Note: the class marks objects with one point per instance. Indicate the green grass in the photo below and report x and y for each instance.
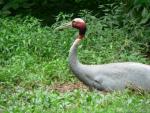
(44, 100)
(33, 57)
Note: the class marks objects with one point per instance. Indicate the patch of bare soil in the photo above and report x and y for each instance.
(67, 87)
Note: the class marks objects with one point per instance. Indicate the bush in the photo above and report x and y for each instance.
(31, 52)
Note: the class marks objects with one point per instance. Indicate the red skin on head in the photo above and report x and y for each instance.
(81, 26)
(78, 25)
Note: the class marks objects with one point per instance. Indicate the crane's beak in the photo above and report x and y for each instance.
(63, 26)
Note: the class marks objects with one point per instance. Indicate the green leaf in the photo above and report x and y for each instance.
(144, 12)
(5, 12)
(145, 19)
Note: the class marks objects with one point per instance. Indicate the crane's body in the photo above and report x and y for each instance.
(113, 76)
(109, 77)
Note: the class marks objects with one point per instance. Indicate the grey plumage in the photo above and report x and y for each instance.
(109, 77)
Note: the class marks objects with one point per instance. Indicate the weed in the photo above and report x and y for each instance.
(33, 57)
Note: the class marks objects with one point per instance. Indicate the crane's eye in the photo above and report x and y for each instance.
(73, 23)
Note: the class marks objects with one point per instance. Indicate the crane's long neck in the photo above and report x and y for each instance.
(74, 63)
(77, 68)
(73, 59)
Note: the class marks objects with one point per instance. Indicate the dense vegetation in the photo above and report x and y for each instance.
(33, 56)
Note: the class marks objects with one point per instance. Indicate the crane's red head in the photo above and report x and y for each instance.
(78, 23)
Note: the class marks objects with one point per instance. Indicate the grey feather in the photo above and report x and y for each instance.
(113, 76)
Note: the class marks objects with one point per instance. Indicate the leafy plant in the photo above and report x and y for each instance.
(33, 57)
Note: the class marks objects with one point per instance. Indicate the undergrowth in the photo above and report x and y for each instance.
(33, 57)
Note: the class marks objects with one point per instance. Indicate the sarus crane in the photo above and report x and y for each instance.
(106, 77)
